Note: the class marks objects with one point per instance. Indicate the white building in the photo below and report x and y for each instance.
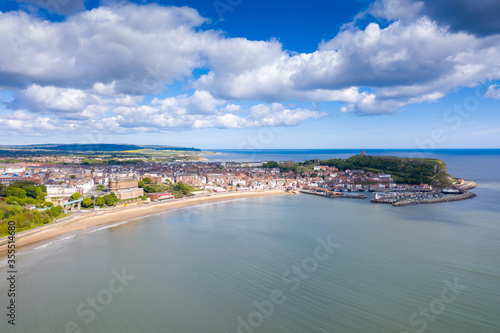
(60, 190)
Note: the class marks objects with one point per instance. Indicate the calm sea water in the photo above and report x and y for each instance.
(300, 155)
(258, 265)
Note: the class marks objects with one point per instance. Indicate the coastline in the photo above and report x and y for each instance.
(97, 218)
(90, 219)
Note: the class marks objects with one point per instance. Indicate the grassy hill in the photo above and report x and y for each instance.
(403, 170)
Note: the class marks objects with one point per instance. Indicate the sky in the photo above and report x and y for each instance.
(241, 74)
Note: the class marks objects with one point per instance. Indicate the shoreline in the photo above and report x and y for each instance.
(122, 214)
(88, 219)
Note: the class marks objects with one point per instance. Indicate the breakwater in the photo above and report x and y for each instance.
(383, 201)
(464, 196)
(333, 195)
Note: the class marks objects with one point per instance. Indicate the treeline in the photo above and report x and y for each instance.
(92, 201)
(178, 190)
(25, 219)
(15, 197)
(283, 168)
(402, 170)
(24, 193)
(88, 161)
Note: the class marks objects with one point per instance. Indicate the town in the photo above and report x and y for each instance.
(148, 182)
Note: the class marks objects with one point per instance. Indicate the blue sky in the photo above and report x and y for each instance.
(251, 74)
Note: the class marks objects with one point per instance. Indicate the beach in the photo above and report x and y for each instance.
(97, 218)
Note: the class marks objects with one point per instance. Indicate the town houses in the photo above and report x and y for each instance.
(64, 180)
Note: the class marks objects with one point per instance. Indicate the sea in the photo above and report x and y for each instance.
(289, 263)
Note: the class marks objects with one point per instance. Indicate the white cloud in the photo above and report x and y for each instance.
(404, 63)
(94, 69)
(58, 99)
(182, 112)
(104, 89)
(493, 91)
(394, 9)
(141, 48)
(47, 108)
(69, 103)
(20, 122)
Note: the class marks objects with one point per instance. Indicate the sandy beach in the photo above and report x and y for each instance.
(96, 218)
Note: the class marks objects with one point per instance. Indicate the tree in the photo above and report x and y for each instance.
(56, 210)
(100, 187)
(141, 184)
(32, 191)
(184, 188)
(109, 200)
(30, 201)
(12, 191)
(87, 202)
(270, 165)
(20, 193)
(75, 196)
(24, 183)
(100, 201)
(72, 177)
(147, 180)
(41, 196)
(12, 200)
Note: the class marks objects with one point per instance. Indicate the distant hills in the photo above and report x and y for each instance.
(90, 148)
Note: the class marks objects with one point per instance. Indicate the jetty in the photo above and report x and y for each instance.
(332, 194)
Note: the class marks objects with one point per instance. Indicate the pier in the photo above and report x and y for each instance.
(333, 195)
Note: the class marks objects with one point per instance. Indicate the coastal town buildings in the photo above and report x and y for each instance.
(125, 188)
(63, 180)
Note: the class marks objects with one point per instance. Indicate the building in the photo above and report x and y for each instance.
(125, 188)
(10, 179)
(160, 196)
(129, 193)
(61, 191)
(116, 184)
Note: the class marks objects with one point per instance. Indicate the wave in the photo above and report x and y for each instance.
(54, 241)
(108, 226)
